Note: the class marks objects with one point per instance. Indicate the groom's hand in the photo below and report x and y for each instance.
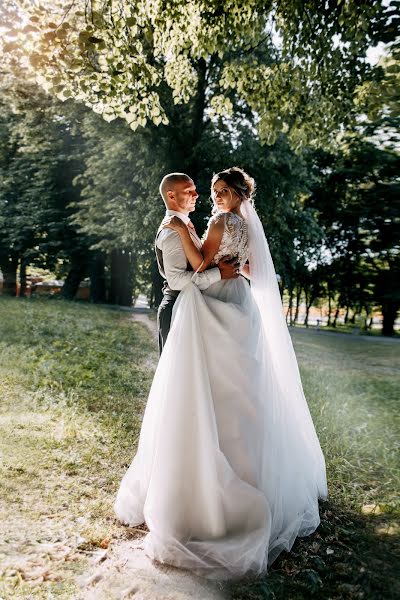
(229, 267)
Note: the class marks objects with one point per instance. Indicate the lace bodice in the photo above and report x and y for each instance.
(235, 241)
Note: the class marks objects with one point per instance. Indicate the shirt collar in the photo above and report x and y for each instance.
(182, 216)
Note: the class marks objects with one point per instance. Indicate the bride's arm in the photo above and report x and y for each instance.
(210, 246)
(194, 256)
(212, 242)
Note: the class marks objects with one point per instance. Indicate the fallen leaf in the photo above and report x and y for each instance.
(371, 509)
(315, 547)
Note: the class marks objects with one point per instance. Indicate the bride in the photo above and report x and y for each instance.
(229, 469)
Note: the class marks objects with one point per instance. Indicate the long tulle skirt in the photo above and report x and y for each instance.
(227, 472)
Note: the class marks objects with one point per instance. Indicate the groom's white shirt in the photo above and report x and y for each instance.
(175, 261)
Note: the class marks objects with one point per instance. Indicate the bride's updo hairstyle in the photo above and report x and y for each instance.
(238, 180)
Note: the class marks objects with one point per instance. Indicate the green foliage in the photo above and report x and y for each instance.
(72, 182)
(49, 153)
(297, 65)
(357, 198)
(37, 165)
(282, 179)
(119, 204)
(287, 73)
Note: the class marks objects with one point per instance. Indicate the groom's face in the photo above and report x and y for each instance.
(185, 196)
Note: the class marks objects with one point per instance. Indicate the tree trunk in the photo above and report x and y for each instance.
(306, 317)
(22, 278)
(126, 280)
(346, 317)
(198, 118)
(329, 309)
(298, 300)
(389, 311)
(308, 306)
(112, 297)
(121, 280)
(76, 273)
(290, 309)
(366, 319)
(97, 278)
(9, 269)
(132, 279)
(335, 317)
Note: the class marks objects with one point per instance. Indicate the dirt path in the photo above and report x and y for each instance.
(144, 318)
(124, 570)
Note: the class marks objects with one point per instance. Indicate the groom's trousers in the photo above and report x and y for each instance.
(164, 315)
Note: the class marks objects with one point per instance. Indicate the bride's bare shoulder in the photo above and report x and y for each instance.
(217, 218)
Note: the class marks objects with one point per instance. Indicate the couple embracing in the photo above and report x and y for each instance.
(228, 469)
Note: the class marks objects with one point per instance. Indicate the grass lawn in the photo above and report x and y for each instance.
(348, 328)
(73, 384)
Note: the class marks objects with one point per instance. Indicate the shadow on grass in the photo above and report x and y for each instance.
(349, 557)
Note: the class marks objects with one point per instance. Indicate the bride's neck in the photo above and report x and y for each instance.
(236, 211)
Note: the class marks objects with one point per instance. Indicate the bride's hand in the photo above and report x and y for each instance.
(174, 223)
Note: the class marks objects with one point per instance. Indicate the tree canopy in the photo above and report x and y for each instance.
(197, 87)
(299, 66)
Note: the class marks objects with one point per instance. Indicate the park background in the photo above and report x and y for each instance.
(98, 100)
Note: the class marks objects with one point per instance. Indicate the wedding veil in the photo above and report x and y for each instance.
(288, 424)
(265, 289)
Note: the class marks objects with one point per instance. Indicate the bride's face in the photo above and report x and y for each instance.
(225, 198)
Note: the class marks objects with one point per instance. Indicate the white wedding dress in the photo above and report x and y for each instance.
(228, 469)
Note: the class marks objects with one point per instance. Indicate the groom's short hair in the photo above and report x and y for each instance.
(169, 181)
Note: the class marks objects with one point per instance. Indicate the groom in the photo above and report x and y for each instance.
(179, 194)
